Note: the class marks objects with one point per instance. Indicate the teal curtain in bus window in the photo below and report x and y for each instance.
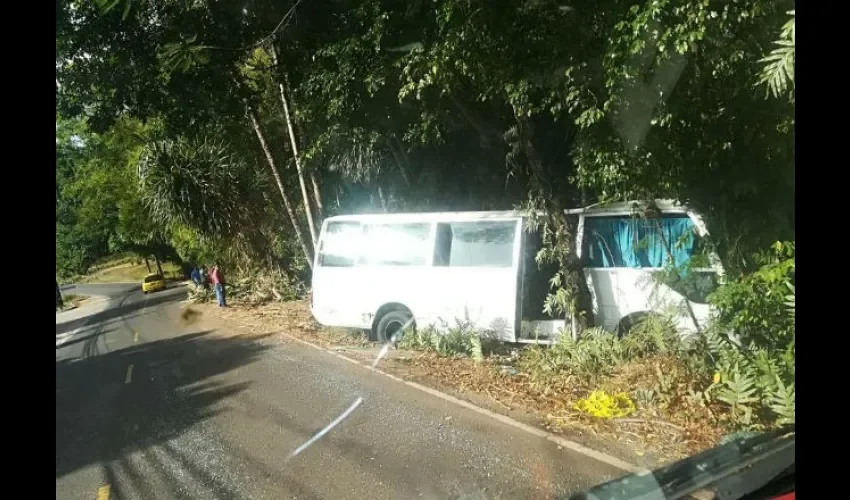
(632, 242)
(677, 232)
(609, 242)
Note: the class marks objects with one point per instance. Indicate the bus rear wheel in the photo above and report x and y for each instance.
(391, 324)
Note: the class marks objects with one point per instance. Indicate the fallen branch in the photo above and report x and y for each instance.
(645, 421)
(497, 400)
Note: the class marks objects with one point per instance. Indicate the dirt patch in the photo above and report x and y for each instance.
(71, 301)
(646, 439)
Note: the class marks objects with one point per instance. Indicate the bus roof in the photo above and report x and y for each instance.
(627, 207)
(428, 216)
(595, 209)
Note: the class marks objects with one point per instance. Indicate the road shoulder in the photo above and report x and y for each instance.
(93, 304)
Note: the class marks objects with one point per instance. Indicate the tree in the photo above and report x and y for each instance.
(185, 89)
(79, 240)
(297, 158)
(679, 115)
(270, 158)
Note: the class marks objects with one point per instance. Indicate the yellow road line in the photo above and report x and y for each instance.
(129, 375)
(135, 337)
(103, 493)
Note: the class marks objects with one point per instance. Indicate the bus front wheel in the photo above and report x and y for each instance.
(392, 323)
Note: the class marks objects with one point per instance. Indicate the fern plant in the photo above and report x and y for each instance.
(791, 300)
(782, 402)
(738, 390)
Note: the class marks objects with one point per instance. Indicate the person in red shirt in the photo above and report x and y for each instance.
(217, 279)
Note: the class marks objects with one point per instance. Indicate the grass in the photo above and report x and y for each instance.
(130, 272)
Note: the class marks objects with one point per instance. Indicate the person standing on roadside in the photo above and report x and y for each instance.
(196, 275)
(205, 277)
(217, 279)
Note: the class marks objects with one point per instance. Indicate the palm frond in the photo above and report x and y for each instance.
(778, 71)
(194, 182)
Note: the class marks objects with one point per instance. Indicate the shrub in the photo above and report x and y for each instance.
(755, 366)
(255, 287)
(199, 294)
(652, 334)
(594, 354)
(754, 306)
(750, 386)
(462, 340)
(258, 286)
(756, 383)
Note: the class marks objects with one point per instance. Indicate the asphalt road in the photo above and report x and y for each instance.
(148, 406)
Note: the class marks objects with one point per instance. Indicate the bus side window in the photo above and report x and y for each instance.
(443, 246)
(475, 244)
(341, 244)
(398, 244)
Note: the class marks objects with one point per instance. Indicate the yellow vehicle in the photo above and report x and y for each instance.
(153, 282)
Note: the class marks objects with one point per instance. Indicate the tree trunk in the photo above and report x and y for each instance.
(148, 264)
(317, 195)
(485, 132)
(286, 202)
(304, 195)
(574, 281)
(399, 156)
(158, 265)
(382, 199)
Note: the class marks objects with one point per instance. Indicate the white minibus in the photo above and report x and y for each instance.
(379, 272)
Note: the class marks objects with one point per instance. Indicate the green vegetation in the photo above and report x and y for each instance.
(130, 272)
(460, 341)
(254, 287)
(754, 306)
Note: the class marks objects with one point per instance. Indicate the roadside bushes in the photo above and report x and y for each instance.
(752, 345)
(461, 340)
(755, 383)
(754, 305)
(593, 355)
(709, 379)
(255, 287)
(597, 352)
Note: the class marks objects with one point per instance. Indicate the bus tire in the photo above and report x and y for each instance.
(630, 321)
(390, 323)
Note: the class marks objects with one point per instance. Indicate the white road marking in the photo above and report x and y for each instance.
(327, 429)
